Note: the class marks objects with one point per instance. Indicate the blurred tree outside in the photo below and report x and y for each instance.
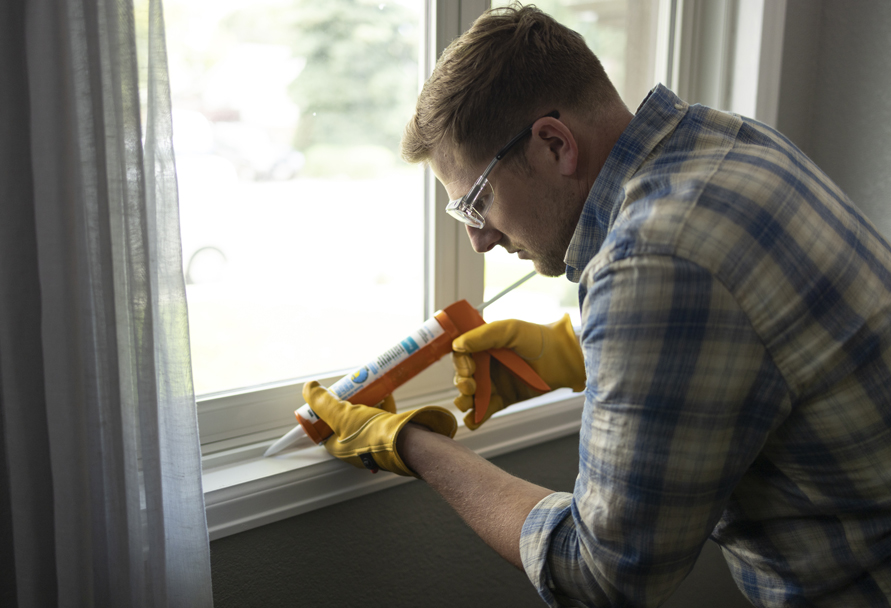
(603, 25)
(354, 86)
(360, 78)
(287, 116)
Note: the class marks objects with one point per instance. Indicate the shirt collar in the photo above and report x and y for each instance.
(655, 119)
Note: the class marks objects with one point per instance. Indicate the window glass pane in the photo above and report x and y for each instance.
(302, 230)
(622, 33)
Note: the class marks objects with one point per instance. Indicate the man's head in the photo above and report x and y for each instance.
(514, 66)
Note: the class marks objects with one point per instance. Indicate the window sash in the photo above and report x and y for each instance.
(453, 271)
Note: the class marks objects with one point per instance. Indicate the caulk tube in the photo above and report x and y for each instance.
(369, 384)
(378, 378)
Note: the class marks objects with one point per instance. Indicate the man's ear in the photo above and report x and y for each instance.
(553, 146)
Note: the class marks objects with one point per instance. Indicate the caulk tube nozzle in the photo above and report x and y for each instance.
(291, 437)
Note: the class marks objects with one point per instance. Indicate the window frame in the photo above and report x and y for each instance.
(726, 54)
(239, 417)
(243, 490)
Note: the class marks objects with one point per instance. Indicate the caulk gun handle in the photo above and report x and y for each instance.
(511, 361)
(465, 317)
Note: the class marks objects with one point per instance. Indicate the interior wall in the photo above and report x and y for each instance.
(406, 547)
(834, 99)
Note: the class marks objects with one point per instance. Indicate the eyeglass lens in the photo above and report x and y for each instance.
(472, 208)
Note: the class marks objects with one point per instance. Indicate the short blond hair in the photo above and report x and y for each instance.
(514, 65)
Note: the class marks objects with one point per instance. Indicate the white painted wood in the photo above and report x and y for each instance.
(758, 59)
(771, 62)
(243, 490)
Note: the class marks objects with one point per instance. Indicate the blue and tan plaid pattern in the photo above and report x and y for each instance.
(737, 333)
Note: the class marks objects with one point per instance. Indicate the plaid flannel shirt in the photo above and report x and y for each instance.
(736, 323)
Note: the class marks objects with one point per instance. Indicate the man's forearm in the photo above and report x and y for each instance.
(492, 502)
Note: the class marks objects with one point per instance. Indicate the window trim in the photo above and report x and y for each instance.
(243, 490)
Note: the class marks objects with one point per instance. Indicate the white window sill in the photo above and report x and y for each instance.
(243, 490)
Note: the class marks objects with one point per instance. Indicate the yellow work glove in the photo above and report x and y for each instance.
(553, 351)
(365, 436)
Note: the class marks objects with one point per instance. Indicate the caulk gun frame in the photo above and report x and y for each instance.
(506, 291)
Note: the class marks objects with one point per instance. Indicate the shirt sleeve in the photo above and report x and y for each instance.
(681, 396)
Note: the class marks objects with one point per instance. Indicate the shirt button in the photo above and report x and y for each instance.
(678, 106)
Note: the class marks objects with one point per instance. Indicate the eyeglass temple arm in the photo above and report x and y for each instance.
(511, 143)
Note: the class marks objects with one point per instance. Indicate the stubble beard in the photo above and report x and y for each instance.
(548, 246)
(549, 267)
(551, 263)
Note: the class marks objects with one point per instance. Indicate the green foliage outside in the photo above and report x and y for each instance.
(358, 86)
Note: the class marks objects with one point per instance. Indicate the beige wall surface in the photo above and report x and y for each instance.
(405, 547)
(835, 97)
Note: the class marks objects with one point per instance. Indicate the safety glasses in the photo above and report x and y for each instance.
(472, 208)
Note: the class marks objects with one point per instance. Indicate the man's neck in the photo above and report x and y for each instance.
(596, 141)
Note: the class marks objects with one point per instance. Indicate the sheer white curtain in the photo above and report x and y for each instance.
(100, 477)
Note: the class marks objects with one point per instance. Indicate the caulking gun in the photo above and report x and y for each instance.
(372, 382)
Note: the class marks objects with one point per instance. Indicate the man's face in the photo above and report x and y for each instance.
(533, 215)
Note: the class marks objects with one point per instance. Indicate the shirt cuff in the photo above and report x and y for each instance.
(535, 541)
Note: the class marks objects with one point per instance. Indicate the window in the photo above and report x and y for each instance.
(304, 235)
(283, 189)
(287, 120)
(240, 123)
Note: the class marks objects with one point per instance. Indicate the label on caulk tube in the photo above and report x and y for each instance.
(351, 384)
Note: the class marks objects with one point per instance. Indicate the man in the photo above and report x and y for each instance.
(735, 344)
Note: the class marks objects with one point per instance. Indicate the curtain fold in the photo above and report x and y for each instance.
(99, 426)
(27, 492)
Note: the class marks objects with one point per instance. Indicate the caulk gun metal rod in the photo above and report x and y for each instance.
(506, 291)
